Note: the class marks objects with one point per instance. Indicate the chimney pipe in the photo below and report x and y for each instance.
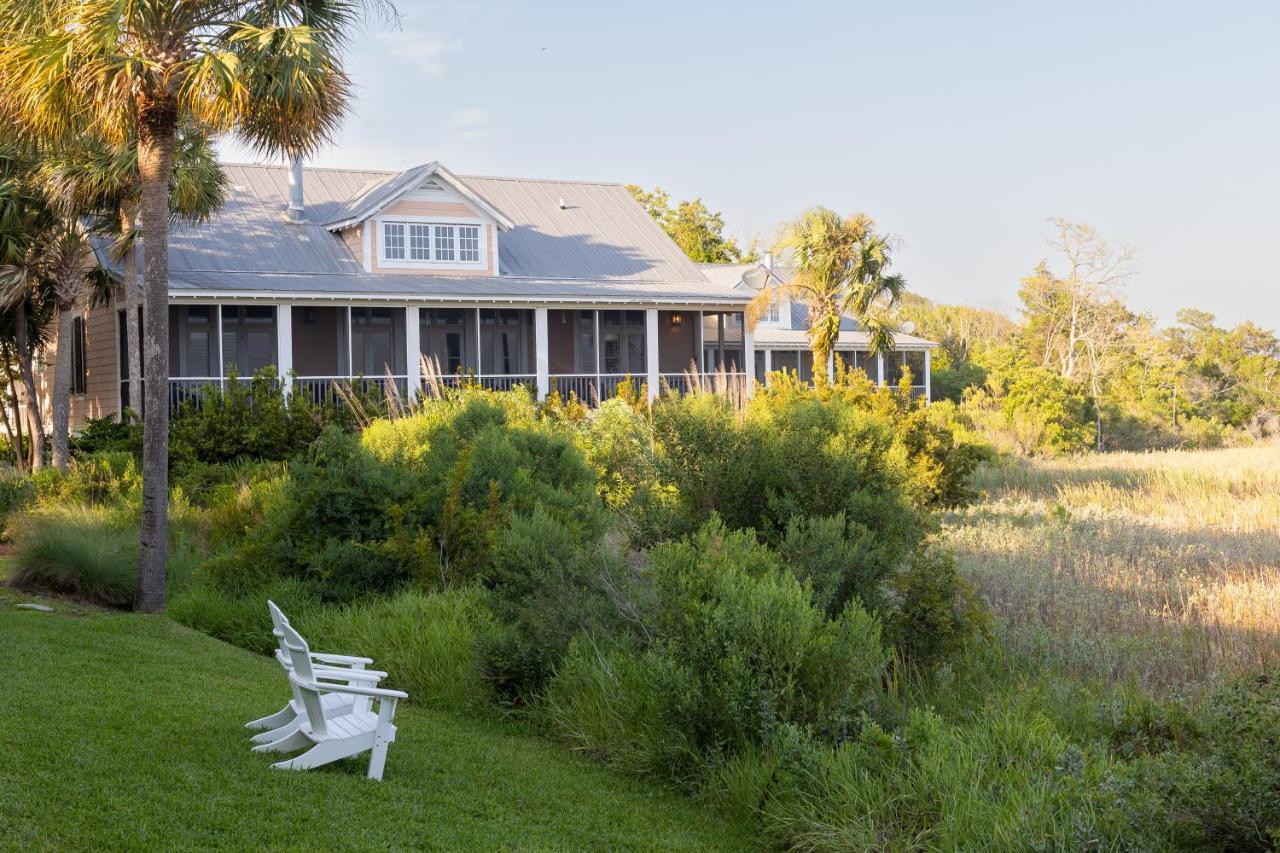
(768, 261)
(296, 211)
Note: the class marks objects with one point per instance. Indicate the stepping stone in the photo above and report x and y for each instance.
(31, 605)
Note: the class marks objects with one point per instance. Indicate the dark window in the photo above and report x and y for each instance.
(79, 377)
(506, 335)
(248, 339)
(376, 335)
(443, 336)
(622, 342)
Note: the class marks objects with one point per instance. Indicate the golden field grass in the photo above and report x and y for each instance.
(1157, 569)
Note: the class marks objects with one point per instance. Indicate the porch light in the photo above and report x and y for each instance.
(677, 319)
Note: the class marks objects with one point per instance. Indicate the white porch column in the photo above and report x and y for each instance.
(479, 354)
(831, 366)
(749, 355)
(412, 352)
(928, 386)
(351, 356)
(542, 352)
(880, 368)
(698, 355)
(768, 367)
(284, 346)
(651, 350)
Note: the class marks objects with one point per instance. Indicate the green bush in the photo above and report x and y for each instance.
(248, 420)
(548, 585)
(1219, 788)
(733, 653)
(418, 499)
(108, 435)
(930, 611)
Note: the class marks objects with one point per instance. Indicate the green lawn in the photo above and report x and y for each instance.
(123, 731)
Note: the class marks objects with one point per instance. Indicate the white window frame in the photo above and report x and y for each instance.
(407, 262)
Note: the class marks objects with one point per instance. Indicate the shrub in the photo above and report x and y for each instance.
(100, 478)
(252, 420)
(549, 585)
(1221, 789)
(418, 499)
(745, 634)
(930, 611)
(107, 434)
(16, 494)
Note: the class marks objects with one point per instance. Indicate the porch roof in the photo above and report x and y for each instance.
(770, 338)
(190, 284)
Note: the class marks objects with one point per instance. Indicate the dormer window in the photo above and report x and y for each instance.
(407, 243)
(774, 312)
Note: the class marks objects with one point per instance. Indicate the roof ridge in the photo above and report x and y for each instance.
(542, 180)
(285, 167)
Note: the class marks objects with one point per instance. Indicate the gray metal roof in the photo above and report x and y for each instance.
(601, 234)
(377, 194)
(426, 288)
(799, 339)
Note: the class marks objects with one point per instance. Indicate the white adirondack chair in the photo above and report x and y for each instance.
(332, 667)
(328, 737)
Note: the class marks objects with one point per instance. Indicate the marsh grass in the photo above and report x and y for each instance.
(1160, 570)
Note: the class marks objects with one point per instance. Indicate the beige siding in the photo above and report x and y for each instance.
(102, 390)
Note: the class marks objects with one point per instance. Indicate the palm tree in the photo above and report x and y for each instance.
(103, 178)
(26, 312)
(269, 71)
(841, 270)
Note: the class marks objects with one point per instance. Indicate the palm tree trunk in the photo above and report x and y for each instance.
(29, 384)
(155, 163)
(62, 385)
(133, 341)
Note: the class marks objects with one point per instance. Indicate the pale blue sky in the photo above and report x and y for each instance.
(961, 127)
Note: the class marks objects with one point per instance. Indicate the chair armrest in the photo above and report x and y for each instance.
(377, 692)
(338, 674)
(345, 660)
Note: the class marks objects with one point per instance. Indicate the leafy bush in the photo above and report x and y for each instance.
(418, 499)
(108, 435)
(248, 420)
(733, 654)
(1218, 790)
(930, 611)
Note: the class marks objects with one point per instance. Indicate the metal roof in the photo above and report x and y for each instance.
(772, 338)
(601, 234)
(377, 194)
(427, 288)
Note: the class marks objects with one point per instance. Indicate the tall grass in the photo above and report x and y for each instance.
(90, 551)
(1161, 570)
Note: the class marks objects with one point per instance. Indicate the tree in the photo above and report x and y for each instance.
(841, 269)
(25, 309)
(103, 179)
(269, 71)
(1075, 321)
(696, 230)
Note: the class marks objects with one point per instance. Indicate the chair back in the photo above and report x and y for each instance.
(278, 620)
(302, 676)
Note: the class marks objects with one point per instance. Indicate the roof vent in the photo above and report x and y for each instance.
(297, 211)
(564, 205)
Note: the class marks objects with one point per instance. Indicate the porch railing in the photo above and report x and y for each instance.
(685, 383)
(591, 388)
(320, 390)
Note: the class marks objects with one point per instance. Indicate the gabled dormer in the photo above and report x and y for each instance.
(422, 220)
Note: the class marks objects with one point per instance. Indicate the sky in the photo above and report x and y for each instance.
(961, 128)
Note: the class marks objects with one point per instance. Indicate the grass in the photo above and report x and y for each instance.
(1160, 570)
(125, 731)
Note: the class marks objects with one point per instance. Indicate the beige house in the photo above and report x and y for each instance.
(344, 274)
